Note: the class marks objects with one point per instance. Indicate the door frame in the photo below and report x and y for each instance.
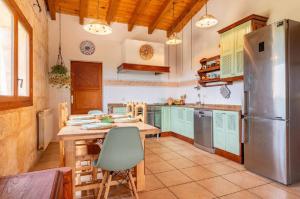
(100, 81)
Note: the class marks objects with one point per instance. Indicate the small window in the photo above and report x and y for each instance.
(15, 57)
(23, 61)
(6, 51)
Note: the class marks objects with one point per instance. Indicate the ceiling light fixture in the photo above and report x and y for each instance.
(173, 39)
(98, 27)
(207, 20)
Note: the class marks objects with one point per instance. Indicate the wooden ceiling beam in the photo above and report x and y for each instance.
(164, 9)
(83, 6)
(52, 5)
(141, 5)
(112, 9)
(186, 16)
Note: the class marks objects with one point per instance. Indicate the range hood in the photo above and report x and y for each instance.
(127, 67)
(143, 56)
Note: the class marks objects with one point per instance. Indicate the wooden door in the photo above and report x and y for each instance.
(86, 86)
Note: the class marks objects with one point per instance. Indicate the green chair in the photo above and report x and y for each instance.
(121, 151)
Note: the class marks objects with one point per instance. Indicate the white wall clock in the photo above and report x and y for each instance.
(87, 47)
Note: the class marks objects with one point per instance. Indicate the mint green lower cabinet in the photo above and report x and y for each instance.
(182, 121)
(166, 119)
(219, 136)
(189, 123)
(226, 131)
(119, 110)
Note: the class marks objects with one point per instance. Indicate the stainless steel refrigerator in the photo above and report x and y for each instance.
(272, 101)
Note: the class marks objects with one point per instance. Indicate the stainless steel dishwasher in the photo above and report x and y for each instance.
(203, 130)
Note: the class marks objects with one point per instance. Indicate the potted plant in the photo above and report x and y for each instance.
(59, 76)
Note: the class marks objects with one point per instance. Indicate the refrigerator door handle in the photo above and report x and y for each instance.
(246, 102)
(246, 136)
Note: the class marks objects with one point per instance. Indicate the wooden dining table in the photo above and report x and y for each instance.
(69, 134)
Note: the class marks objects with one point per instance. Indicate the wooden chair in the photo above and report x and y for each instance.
(130, 108)
(63, 114)
(80, 145)
(140, 112)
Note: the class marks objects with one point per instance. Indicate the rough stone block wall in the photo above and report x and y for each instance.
(18, 127)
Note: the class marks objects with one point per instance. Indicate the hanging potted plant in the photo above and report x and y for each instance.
(59, 76)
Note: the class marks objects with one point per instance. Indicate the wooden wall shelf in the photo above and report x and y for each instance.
(126, 67)
(210, 69)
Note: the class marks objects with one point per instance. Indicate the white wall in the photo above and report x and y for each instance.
(109, 52)
(205, 42)
(183, 59)
(131, 52)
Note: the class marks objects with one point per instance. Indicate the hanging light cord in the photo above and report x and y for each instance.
(192, 43)
(60, 60)
(98, 9)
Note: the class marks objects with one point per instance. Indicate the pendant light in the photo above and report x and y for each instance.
(98, 27)
(173, 39)
(207, 20)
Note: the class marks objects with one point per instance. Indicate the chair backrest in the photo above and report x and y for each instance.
(130, 109)
(122, 149)
(63, 114)
(140, 112)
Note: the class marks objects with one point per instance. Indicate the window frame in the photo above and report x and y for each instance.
(16, 101)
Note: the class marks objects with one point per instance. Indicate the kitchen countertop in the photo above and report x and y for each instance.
(223, 107)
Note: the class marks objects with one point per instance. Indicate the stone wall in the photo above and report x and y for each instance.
(18, 131)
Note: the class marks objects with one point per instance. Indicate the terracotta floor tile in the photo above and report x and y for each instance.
(171, 178)
(153, 145)
(241, 195)
(219, 186)
(186, 152)
(198, 173)
(147, 172)
(170, 144)
(269, 191)
(235, 165)
(191, 191)
(151, 158)
(157, 194)
(148, 152)
(220, 168)
(295, 188)
(244, 179)
(181, 163)
(169, 156)
(201, 159)
(216, 157)
(158, 167)
(153, 183)
(159, 150)
(259, 177)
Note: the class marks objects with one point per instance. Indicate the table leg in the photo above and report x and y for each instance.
(70, 159)
(61, 153)
(140, 170)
